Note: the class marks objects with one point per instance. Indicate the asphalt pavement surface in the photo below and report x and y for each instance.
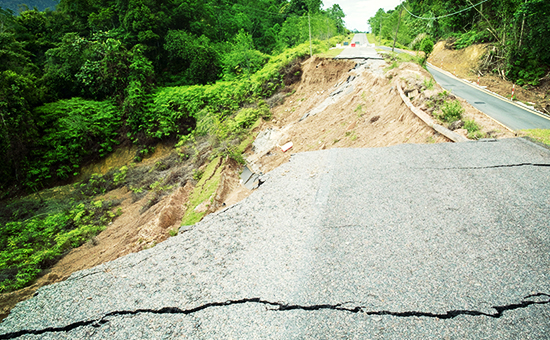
(442, 241)
(512, 116)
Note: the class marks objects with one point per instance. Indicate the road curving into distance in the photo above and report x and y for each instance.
(511, 115)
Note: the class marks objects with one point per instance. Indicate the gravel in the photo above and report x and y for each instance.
(410, 241)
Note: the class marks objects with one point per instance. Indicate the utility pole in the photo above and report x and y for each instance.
(398, 22)
(309, 23)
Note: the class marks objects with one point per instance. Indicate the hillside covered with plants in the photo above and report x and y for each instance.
(79, 81)
(518, 30)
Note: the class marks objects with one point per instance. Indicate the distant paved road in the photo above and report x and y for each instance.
(361, 51)
(511, 115)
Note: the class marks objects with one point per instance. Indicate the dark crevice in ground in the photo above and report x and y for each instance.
(279, 306)
(494, 166)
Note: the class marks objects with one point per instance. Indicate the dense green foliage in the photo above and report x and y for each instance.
(73, 130)
(76, 81)
(518, 29)
(28, 246)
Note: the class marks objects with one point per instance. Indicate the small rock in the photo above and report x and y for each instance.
(351, 126)
(463, 132)
(413, 93)
(374, 119)
(456, 125)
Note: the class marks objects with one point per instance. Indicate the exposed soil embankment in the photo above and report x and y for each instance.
(341, 104)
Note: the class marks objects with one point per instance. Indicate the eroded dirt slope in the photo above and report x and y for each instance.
(341, 104)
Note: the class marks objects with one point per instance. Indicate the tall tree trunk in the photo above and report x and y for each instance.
(397, 31)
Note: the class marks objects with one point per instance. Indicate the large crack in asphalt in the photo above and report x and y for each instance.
(493, 166)
(279, 306)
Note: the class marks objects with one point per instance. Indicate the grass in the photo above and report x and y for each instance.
(371, 38)
(474, 130)
(429, 83)
(389, 43)
(359, 110)
(204, 190)
(397, 58)
(541, 135)
(330, 53)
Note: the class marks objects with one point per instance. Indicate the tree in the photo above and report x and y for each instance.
(192, 58)
(427, 46)
(243, 58)
(337, 14)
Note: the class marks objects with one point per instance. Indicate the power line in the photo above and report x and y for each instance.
(443, 16)
(241, 9)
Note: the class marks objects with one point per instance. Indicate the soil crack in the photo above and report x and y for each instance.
(280, 306)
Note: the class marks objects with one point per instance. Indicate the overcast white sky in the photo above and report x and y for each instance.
(359, 11)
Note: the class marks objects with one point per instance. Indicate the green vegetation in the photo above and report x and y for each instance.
(474, 131)
(77, 81)
(428, 83)
(517, 29)
(331, 53)
(397, 58)
(451, 111)
(541, 135)
(203, 192)
(426, 46)
(371, 38)
(32, 244)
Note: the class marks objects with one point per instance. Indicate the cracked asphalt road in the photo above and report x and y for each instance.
(411, 241)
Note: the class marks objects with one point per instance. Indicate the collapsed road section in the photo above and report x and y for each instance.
(409, 241)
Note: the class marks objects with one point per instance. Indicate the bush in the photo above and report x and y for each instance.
(243, 59)
(427, 46)
(451, 111)
(73, 131)
(27, 247)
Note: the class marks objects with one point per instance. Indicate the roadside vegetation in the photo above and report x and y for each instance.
(541, 135)
(79, 82)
